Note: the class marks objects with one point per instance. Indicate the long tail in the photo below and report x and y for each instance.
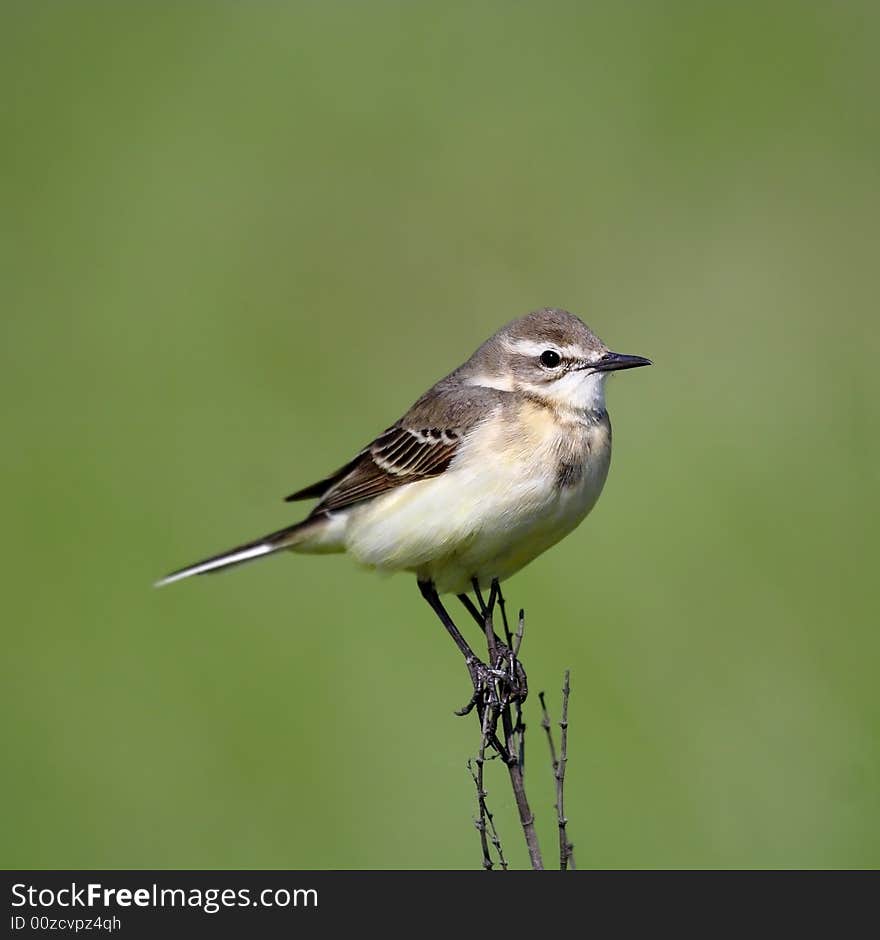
(274, 542)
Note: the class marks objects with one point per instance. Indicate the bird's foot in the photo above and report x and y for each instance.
(497, 685)
(515, 685)
(485, 679)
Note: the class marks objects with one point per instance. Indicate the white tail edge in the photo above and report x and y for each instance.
(220, 561)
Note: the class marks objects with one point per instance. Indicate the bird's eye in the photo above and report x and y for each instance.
(550, 358)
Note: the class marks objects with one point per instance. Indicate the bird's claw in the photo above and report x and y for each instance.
(496, 685)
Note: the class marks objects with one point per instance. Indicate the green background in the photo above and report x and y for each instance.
(239, 239)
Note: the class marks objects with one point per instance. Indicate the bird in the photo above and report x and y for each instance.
(493, 465)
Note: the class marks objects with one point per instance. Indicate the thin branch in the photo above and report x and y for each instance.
(485, 824)
(488, 622)
(514, 739)
(496, 841)
(566, 848)
(514, 666)
(515, 769)
(480, 823)
(478, 616)
(520, 630)
(500, 688)
(546, 725)
(503, 607)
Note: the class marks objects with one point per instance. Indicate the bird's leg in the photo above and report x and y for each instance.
(482, 676)
(484, 616)
(499, 706)
(503, 658)
(429, 592)
(475, 584)
(503, 607)
(516, 682)
(479, 618)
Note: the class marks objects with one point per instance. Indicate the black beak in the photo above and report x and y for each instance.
(614, 362)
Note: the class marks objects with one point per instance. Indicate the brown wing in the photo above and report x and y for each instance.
(421, 445)
(400, 455)
(322, 486)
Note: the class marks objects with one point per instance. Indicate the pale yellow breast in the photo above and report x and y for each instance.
(500, 498)
(555, 468)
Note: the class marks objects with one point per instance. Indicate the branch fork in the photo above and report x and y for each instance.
(500, 687)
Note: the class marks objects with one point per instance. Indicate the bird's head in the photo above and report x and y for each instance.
(551, 354)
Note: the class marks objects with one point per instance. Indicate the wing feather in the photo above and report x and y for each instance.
(316, 490)
(395, 458)
(421, 445)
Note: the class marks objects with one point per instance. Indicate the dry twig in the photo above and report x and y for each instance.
(498, 699)
(486, 822)
(566, 848)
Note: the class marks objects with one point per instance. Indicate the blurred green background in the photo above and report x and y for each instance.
(239, 239)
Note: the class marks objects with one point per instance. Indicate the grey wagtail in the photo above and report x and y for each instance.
(495, 463)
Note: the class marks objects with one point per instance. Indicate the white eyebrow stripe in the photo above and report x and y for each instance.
(530, 347)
